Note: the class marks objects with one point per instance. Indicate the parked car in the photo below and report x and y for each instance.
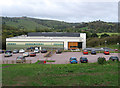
(106, 52)
(77, 50)
(115, 49)
(26, 54)
(28, 48)
(32, 47)
(15, 51)
(58, 51)
(83, 59)
(32, 54)
(93, 52)
(73, 60)
(36, 48)
(36, 51)
(85, 52)
(43, 51)
(7, 54)
(1, 51)
(9, 51)
(20, 59)
(21, 51)
(113, 58)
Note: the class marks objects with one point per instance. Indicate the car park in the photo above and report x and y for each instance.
(15, 51)
(26, 54)
(113, 58)
(32, 54)
(8, 51)
(21, 51)
(85, 52)
(20, 59)
(83, 59)
(93, 52)
(106, 52)
(43, 51)
(7, 54)
(58, 51)
(73, 60)
(36, 51)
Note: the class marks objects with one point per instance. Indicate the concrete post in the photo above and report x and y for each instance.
(83, 36)
(66, 45)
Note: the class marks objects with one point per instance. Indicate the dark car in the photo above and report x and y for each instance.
(15, 51)
(83, 60)
(73, 60)
(32, 54)
(93, 52)
(1, 51)
(113, 58)
(43, 51)
(28, 48)
(106, 52)
(58, 51)
(32, 47)
(7, 54)
(8, 51)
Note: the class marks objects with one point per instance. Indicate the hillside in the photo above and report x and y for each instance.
(33, 25)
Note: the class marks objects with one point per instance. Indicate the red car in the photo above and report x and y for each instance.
(85, 52)
(106, 52)
(32, 54)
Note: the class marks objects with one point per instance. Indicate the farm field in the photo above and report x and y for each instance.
(90, 74)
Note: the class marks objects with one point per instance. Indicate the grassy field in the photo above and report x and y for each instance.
(90, 74)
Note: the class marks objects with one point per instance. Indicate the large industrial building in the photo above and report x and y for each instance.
(48, 40)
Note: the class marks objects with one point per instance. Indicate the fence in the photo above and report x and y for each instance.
(14, 62)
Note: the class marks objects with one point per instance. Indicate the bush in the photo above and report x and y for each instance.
(101, 60)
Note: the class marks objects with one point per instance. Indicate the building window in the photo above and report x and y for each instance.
(58, 44)
(11, 44)
(34, 44)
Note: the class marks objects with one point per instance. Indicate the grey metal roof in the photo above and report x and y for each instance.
(54, 34)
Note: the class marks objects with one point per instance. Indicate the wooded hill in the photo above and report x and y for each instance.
(40, 25)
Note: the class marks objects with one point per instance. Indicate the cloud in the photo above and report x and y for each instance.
(65, 10)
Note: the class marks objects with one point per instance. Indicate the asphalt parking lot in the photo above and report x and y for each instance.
(62, 58)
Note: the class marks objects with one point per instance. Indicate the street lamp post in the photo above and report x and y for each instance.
(105, 44)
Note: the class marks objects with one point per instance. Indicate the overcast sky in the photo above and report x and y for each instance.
(63, 10)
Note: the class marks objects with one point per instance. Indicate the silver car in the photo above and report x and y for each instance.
(26, 54)
(20, 59)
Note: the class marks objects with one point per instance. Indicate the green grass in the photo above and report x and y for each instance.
(50, 60)
(90, 74)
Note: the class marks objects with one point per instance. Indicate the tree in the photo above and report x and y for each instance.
(104, 35)
(94, 35)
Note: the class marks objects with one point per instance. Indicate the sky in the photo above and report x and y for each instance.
(62, 10)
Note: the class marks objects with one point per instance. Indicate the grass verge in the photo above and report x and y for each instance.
(90, 74)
